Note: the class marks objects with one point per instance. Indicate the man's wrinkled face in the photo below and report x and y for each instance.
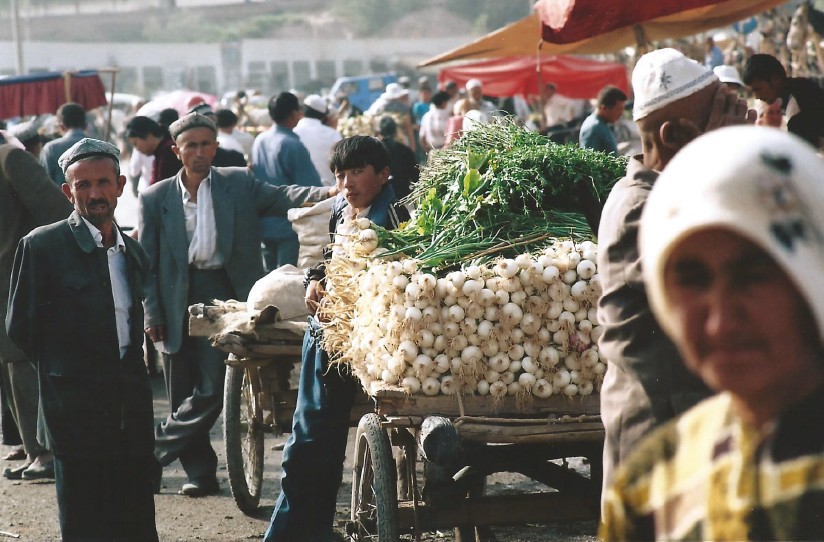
(361, 185)
(93, 186)
(741, 323)
(475, 93)
(196, 148)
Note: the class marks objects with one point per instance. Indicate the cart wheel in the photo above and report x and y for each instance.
(243, 433)
(374, 483)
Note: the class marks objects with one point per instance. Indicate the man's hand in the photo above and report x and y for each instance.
(314, 295)
(728, 110)
(156, 333)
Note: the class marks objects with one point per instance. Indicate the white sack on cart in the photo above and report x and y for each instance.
(282, 288)
(311, 224)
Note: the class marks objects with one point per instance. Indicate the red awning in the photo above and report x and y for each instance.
(568, 21)
(575, 77)
(524, 37)
(44, 92)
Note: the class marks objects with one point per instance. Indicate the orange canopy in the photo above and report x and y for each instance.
(524, 37)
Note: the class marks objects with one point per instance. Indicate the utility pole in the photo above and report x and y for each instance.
(19, 68)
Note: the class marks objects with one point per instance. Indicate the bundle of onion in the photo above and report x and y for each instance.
(525, 326)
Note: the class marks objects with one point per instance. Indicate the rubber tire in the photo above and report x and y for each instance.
(243, 434)
(374, 461)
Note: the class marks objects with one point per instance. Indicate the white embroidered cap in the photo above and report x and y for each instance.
(316, 102)
(759, 182)
(728, 74)
(665, 76)
(473, 83)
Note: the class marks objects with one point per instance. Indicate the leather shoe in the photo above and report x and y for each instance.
(200, 488)
(39, 472)
(15, 473)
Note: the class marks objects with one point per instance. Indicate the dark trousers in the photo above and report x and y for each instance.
(279, 252)
(313, 456)
(106, 495)
(194, 382)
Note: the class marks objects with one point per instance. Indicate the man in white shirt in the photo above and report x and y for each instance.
(317, 137)
(229, 136)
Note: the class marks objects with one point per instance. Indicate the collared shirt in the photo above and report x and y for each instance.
(710, 475)
(433, 126)
(119, 278)
(203, 252)
(318, 140)
(595, 134)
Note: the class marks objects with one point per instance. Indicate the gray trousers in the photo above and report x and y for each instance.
(194, 382)
(23, 392)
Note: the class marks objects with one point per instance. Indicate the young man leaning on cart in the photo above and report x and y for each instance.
(313, 457)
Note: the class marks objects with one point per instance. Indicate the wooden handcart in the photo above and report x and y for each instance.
(460, 441)
(260, 389)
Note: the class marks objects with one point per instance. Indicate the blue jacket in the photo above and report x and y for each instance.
(279, 158)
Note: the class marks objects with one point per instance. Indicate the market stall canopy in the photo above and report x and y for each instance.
(575, 77)
(524, 37)
(618, 23)
(43, 93)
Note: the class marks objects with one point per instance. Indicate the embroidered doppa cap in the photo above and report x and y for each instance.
(86, 148)
(665, 76)
(317, 103)
(473, 83)
(728, 74)
(761, 183)
(189, 121)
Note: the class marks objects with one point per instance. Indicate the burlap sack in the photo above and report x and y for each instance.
(312, 226)
(282, 288)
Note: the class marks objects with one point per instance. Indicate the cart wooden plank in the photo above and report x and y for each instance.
(392, 401)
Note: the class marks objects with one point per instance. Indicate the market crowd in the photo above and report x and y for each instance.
(710, 250)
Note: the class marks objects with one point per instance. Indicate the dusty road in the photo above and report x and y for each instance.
(28, 509)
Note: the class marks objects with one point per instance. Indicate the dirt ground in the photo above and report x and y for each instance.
(28, 510)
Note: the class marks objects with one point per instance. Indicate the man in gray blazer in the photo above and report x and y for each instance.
(200, 230)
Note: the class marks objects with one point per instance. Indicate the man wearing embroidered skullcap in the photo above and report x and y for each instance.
(732, 238)
(646, 383)
(75, 311)
(200, 230)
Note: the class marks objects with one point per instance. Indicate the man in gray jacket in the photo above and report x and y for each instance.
(647, 384)
(200, 230)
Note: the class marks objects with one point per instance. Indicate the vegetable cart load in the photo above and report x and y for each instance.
(474, 329)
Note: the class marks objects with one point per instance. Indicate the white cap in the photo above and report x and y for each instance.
(728, 74)
(473, 83)
(395, 91)
(473, 119)
(665, 76)
(761, 183)
(317, 103)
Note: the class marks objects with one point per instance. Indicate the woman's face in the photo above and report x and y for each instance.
(741, 323)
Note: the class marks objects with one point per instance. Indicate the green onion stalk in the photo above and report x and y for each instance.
(500, 190)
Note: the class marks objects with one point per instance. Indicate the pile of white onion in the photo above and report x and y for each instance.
(525, 327)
